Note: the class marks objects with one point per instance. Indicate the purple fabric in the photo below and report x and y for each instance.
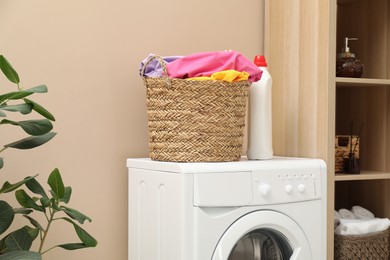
(154, 69)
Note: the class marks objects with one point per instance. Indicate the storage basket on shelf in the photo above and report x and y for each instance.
(370, 246)
(195, 121)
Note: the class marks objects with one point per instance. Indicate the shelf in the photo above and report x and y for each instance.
(364, 175)
(361, 82)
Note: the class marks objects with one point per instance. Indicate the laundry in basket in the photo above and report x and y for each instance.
(194, 120)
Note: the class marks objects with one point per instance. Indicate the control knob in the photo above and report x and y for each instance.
(265, 189)
(288, 188)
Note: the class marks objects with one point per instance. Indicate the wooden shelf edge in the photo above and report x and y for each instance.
(362, 82)
(364, 175)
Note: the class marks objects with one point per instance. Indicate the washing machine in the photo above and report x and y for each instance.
(244, 210)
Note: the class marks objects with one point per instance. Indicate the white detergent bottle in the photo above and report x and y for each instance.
(260, 115)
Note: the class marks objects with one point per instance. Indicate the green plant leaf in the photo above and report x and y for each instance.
(21, 255)
(33, 232)
(14, 96)
(26, 201)
(54, 203)
(32, 127)
(40, 109)
(8, 187)
(34, 186)
(3, 248)
(6, 216)
(22, 211)
(22, 93)
(83, 235)
(1, 162)
(56, 184)
(68, 194)
(22, 108)
(72, 246)
(8, 70)
(18, 240)
(45, 202)
(75, 214)
(37, 89)
(34, 222)
(2, 114)
(32, 141)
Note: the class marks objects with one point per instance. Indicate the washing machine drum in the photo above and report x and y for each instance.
(263, 235)
(263, 244)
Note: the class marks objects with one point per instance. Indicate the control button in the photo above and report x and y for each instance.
(265, 189)
(288, 188)
(301, 188)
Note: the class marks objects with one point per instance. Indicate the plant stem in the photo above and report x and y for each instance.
(48, 250)
(50, 213)
(46, 232)
(3, 149)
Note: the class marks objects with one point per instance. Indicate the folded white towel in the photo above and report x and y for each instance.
(362, 227)
(346, 214)
(336, 218)
(362, 213)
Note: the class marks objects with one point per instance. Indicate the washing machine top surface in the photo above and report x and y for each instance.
(243, 165)
(247, 182)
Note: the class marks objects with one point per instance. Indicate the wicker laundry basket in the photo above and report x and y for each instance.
(362, 247)
(195, 121)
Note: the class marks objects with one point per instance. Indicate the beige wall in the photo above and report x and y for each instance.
(87, 52)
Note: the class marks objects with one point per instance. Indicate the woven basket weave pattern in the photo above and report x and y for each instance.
(195, 121)
(365, 247)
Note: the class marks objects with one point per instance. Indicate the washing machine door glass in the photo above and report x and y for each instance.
(262, 244)
(265, 235)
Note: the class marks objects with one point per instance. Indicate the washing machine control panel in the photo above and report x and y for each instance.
(286, 185)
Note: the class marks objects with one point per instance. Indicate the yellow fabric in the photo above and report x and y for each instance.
(226, 75)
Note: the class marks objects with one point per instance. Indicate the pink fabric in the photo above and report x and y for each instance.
(206, 63)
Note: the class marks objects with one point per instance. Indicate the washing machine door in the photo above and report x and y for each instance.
(263, 235)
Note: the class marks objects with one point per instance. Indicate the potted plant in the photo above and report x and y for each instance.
(34, 200)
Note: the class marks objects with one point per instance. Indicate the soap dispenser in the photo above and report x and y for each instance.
(347, 65)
